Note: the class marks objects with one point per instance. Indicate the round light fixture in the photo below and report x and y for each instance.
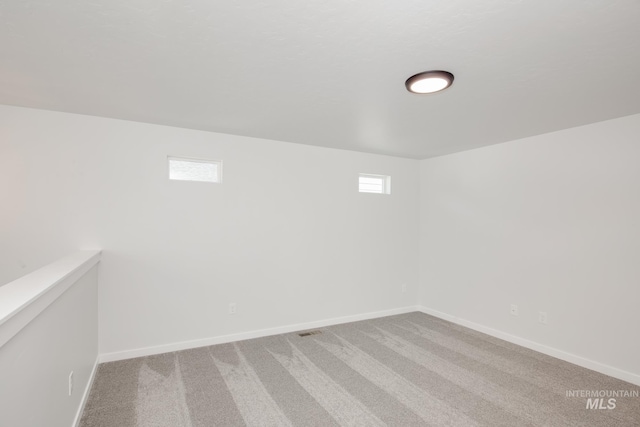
(429, 81)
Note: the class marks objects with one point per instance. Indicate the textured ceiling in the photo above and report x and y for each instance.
(328, 72)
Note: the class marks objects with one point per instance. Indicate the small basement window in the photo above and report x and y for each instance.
(379, 184)
(181, 169)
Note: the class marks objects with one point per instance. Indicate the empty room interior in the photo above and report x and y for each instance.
(319, 213)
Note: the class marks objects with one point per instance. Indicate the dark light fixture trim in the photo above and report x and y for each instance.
(429, 82)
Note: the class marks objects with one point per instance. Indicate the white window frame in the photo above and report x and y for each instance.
(218, 164)
(385, 180)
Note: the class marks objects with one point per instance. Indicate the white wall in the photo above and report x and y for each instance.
(35, 363)
(287, 236)
(551, 223)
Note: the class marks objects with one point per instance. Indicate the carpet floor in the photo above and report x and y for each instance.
(406, 370)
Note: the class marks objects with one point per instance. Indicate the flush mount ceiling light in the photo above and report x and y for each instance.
(429, 82)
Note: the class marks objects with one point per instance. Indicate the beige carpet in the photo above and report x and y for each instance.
(405, 370)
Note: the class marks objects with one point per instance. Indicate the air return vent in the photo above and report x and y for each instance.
(306, 334)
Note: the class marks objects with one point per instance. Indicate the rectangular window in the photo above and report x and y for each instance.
(195, 170)
(379, 184)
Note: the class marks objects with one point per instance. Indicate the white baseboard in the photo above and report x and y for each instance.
(184, 345)
(541, 348)
(85, 395)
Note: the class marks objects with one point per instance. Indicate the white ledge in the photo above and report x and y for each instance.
(25, 298)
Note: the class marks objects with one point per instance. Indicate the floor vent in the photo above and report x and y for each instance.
(306, 334)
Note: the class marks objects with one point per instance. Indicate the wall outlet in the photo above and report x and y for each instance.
(404, 288)
(542, 317)
(514, 310)
(232, 308)
(71, 383)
